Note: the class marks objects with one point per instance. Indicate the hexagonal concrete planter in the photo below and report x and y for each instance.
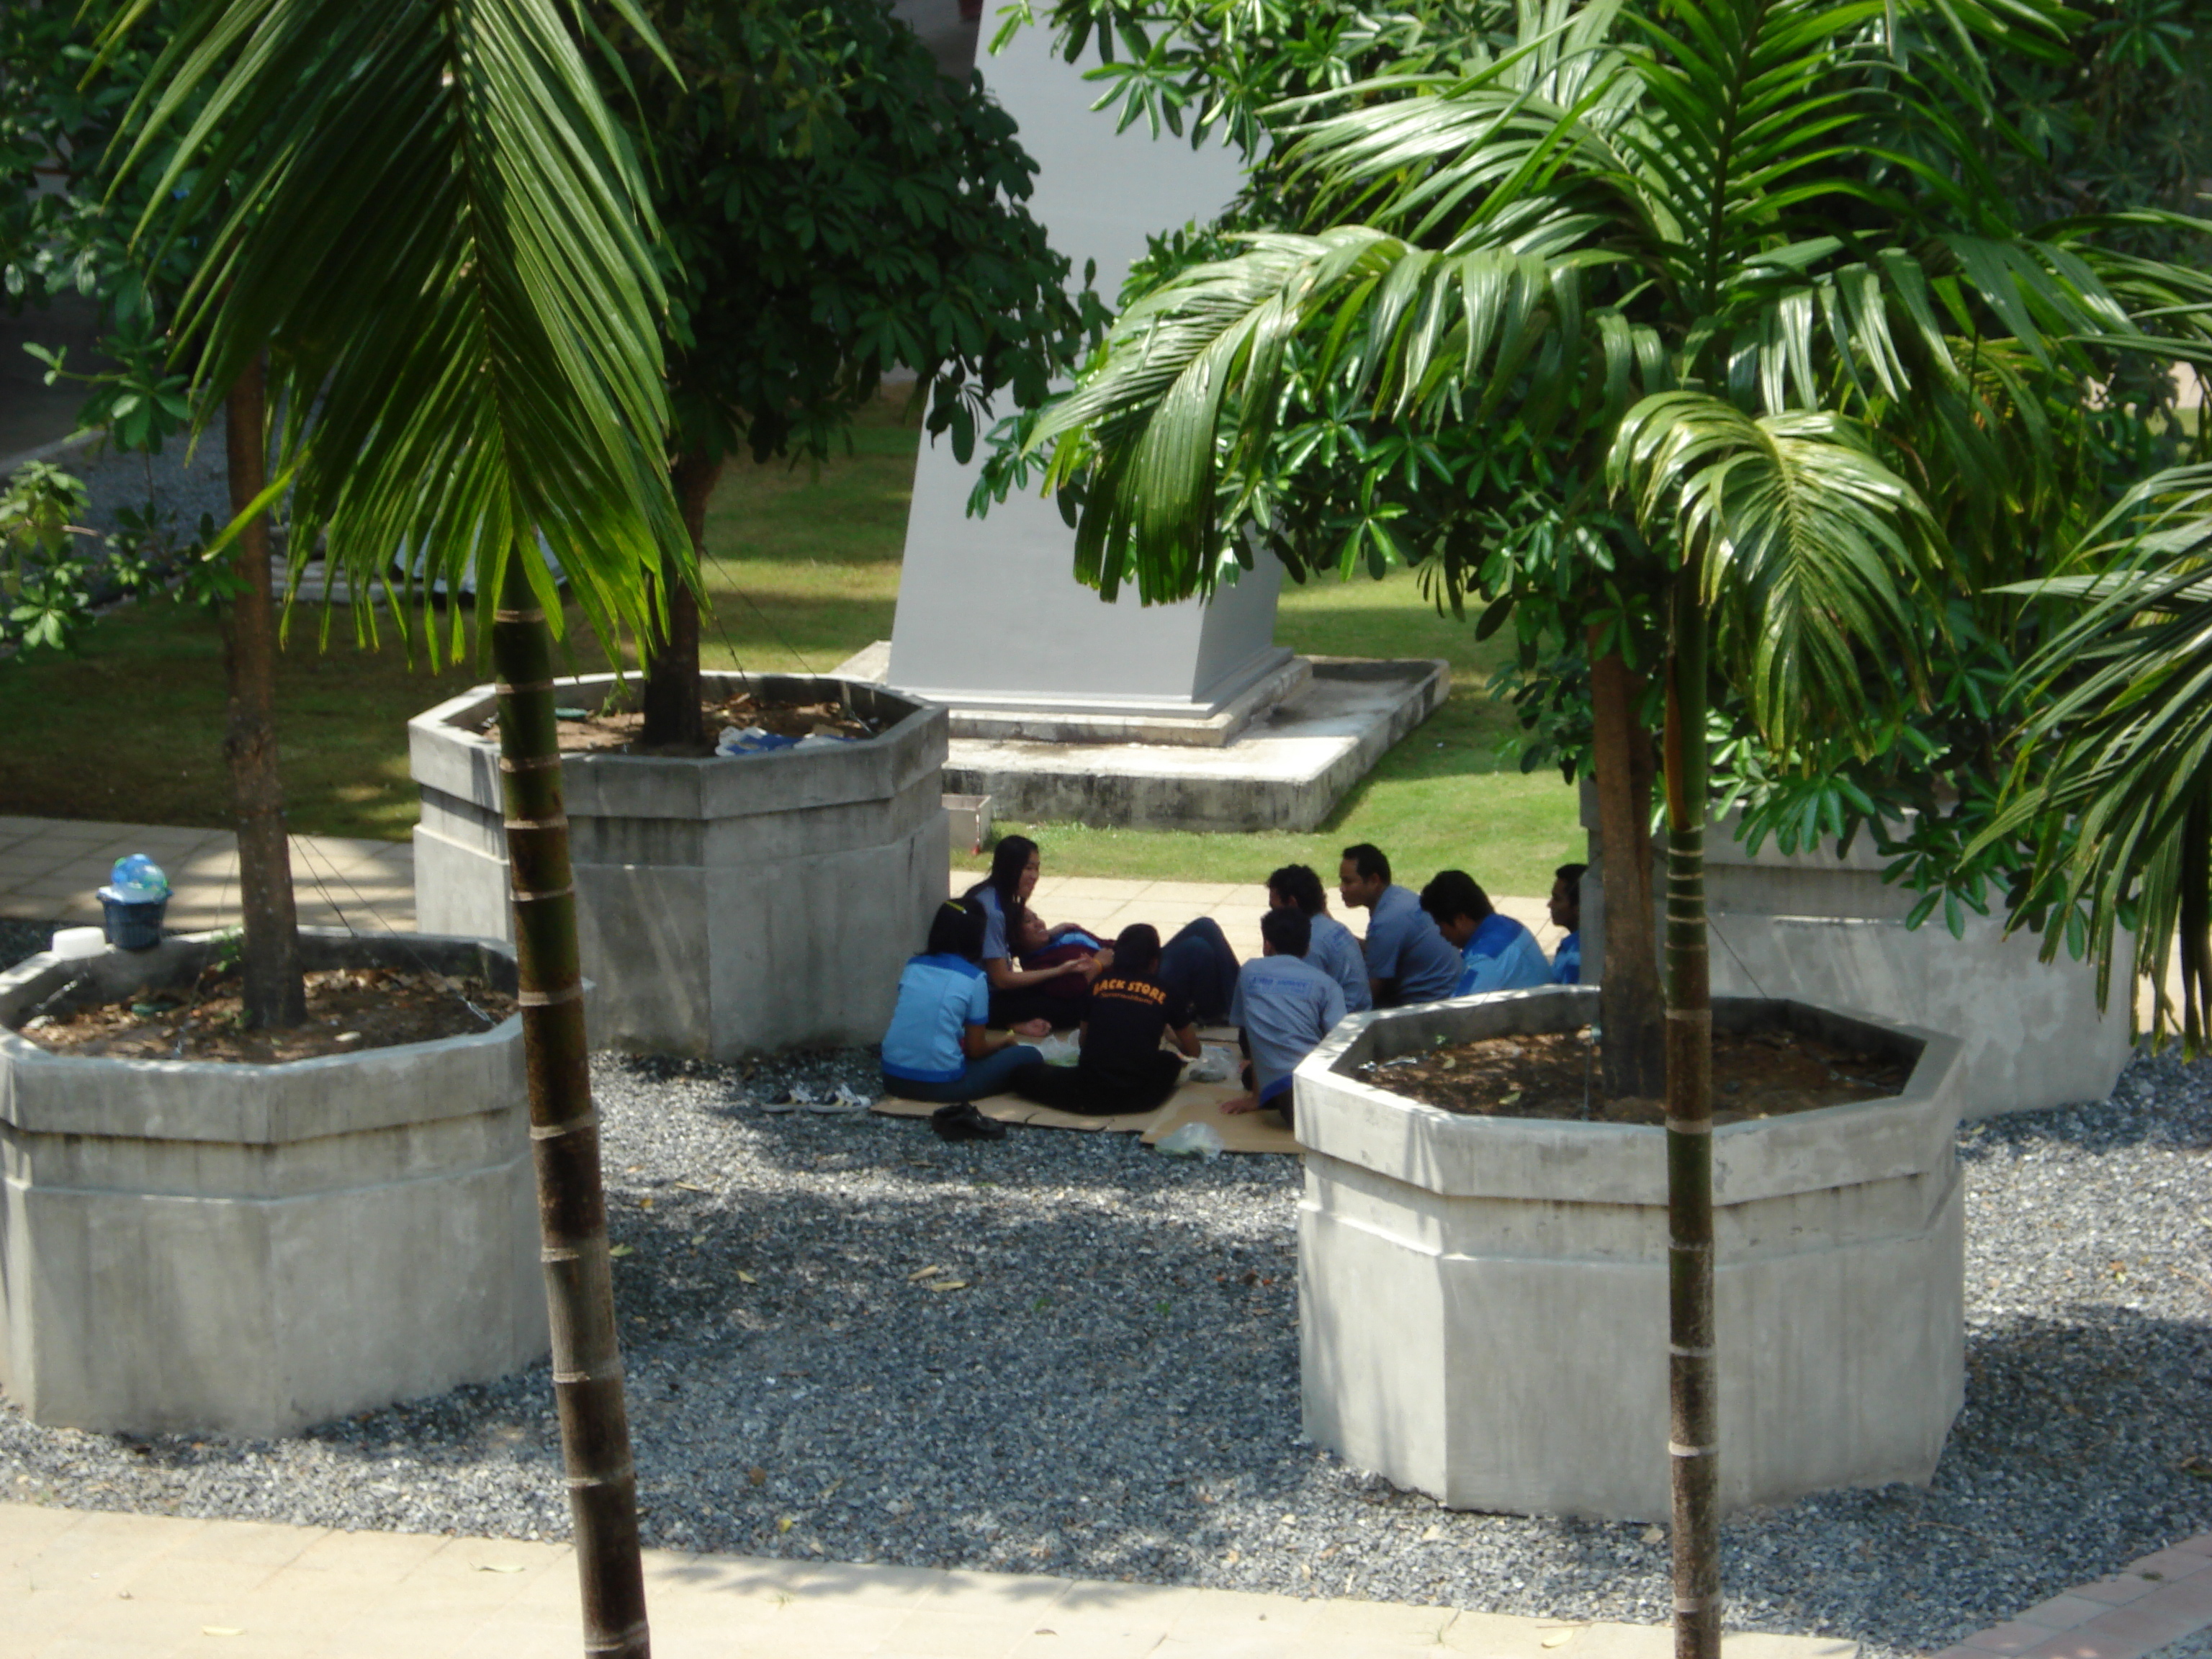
(247, 1249)
(1483, 1300)
(725, 904)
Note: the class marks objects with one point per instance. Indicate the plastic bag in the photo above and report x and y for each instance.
(1058, 1050)
(137, 880)
(750, 740)
(1192, 1141)
(1214, 1063)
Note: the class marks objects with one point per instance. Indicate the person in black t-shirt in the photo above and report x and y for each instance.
(1122, 1068)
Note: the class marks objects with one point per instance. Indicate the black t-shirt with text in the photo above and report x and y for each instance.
(1126, 1019)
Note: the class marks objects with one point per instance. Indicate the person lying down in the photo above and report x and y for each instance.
(1122, 1067)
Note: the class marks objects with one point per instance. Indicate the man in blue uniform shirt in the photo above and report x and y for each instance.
(1285, 1006)
(1408, 959)
(1497, 953)
(1334, 948)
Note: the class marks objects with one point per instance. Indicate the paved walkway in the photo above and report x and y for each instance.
(50, 869)
(83, 1583)
(2156, 1602)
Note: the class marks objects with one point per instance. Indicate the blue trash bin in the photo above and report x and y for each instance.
(131, 924)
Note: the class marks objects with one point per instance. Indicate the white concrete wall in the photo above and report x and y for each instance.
(1824, 926)
(248, 1250)
(1483, 1300)
(989, 611)
(724, 905)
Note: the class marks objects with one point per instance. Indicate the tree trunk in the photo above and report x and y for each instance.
(672, 674)
(275, 994)
(1631, 1009)
(1692, 1383)
(564, 1133)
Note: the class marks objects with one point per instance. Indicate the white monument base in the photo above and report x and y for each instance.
(1285, 769)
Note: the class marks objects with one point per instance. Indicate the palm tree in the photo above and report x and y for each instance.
(423, 214)
(1744, 262)
(2112, 786)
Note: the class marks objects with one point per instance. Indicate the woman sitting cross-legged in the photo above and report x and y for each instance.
(940, 1046)
(1019, 995)
(1122, 1067)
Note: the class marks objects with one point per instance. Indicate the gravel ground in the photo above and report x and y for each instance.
(1114, 1392)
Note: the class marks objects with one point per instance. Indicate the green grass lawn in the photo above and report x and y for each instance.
(803, 570)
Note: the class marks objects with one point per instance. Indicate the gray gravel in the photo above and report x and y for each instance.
(1114, 1394)
(178, 482)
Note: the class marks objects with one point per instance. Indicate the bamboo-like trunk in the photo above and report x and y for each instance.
(1692, 1382)
(564, 1133)
(276, 991)
(672, 673)
(1632, 1003)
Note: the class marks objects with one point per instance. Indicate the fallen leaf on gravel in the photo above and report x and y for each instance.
(921, 1273)
(946, 1284)
(744, 1278)
(1432, 1535)
(757, 1475)
(1655, 1533)
(496, 1566)
(786, 1523)
(689, 1188)
(621, 1250)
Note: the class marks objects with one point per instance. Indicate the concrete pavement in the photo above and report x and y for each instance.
(93, 1584)
(50, 869)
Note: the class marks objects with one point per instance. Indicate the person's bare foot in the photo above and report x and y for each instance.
(1240, 1105)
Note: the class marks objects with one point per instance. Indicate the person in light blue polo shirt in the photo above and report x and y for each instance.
(1497, 953)
(1334, 948)
(1285, 1006)
(1407, 960)
(939, 1047)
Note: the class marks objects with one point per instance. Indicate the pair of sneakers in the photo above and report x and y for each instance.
(962, 1121)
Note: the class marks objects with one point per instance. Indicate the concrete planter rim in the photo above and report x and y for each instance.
(19, 1050)
(1332, 1060)
(1457, 1154)
(443, 717)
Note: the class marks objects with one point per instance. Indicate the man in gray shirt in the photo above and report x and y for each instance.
(1285, 1006)
(1408, 960)
(1334, 948)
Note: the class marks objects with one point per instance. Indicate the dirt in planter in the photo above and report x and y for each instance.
(1558, 1075)
(615, 729)
(348, 1009)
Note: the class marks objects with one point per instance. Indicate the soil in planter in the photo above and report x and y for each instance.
(1556, 1075)
(348, 1009)
(613, 729)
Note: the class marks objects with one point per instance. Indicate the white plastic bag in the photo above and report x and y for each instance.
(1058, 1050)
(1214, 1063)
(1192, 1141)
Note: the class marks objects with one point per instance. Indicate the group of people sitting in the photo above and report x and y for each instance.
(994, 981)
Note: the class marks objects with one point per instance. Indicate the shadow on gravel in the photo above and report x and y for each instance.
(1063, 1353)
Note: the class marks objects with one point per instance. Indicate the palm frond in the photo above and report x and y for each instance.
(445, 251)
(1179, 403)
(1806, 547)
(2114, 777)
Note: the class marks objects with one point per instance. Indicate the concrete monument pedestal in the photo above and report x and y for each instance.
(193, 1248)
(725, 904)
(1064, 708)
(1483, 1300)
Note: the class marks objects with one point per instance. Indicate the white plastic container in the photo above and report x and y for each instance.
(74, 944)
